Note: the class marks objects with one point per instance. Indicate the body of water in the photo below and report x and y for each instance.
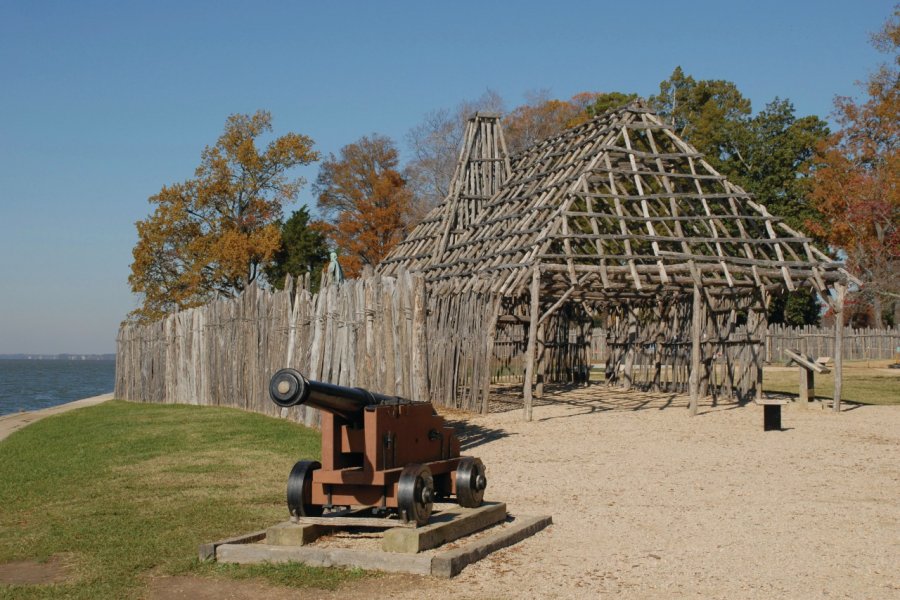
(36, 384)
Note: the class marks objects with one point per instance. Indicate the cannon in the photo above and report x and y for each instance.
(382, 452)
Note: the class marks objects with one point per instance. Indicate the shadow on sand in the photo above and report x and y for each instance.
(471, 435)
(597, 398)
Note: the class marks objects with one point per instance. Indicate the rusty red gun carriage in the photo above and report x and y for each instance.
(382, 452)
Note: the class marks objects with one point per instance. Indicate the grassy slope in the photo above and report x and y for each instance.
(132, 489)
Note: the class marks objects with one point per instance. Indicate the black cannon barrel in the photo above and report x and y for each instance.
(288, 387)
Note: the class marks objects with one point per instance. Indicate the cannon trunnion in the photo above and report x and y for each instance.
(378, 451)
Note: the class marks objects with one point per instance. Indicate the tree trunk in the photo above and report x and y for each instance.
(877, 311)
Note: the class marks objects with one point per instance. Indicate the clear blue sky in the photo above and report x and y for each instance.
(102, 103)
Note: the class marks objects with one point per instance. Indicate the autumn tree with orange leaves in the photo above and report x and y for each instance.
(214, 234)
(857, 181)
(365, 201)
(541, 117)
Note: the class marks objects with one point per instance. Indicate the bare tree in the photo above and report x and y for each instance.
(435, 143)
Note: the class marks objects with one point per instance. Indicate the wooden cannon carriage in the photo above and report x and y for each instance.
(378, 451)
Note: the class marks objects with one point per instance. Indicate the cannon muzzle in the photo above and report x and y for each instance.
(288, 387)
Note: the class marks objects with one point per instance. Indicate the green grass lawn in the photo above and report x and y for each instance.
(127, 490)
(863, 382)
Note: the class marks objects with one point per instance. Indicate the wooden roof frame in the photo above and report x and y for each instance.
(617, 210)
(481, 169)
(618, 207)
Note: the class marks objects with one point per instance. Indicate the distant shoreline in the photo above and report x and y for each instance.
(97, 357)
(16, 421)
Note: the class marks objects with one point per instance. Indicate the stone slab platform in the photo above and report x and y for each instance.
(208, 551)
(444, 526)
(439, 564)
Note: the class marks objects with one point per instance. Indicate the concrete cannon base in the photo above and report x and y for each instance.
(473, 532)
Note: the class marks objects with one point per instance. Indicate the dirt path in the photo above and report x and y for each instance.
(16, 421)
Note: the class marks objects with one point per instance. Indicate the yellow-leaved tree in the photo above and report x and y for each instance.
(214, 234)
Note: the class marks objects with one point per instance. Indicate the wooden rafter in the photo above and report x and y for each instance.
(620, 204)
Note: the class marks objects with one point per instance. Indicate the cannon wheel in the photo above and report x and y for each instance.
(470, 482)
(415, 494)
(299, 489)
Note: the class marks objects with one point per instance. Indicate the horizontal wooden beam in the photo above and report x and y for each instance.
(665, 218)
(636, 237)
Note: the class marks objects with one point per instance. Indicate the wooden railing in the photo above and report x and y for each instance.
(859, 344)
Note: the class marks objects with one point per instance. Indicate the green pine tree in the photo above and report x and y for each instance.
(303, 249)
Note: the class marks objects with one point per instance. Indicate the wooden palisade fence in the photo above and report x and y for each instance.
(368, 332)
(859, 344)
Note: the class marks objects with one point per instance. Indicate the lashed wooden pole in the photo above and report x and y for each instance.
(762, 331)
(419, 341)
(630, 350)
(541, 349)
(696, 323)
(840, 290)
(292, 328)
(532, 340)
(489, 351)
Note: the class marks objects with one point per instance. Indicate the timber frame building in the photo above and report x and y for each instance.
(615, 221)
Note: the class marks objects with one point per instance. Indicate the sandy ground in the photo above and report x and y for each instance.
(16, 421)
(648, 502)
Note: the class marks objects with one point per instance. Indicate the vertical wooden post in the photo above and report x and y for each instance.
(419, 343)
(805, 381)
(532, 340)
(761, 332)
(631, 340)
(542, 360)
(489, 355)
(585, 345)
(811, 384)
(292, 327)
(706, 351)
(840, 290)
(696, 324)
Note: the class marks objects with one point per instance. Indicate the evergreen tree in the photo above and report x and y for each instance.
(303, 250)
